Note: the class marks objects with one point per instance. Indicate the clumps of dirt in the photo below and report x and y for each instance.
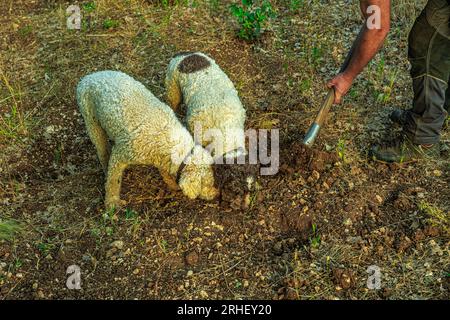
(305, 158)
(403, 202)
(237, 184)
(286, 244)
(344, 278)
(191, 258)
(295, 221)
(290, 288)
(404, 244)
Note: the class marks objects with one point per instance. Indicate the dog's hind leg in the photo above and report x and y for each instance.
(174, 95)
(169, 180)
(97, 134)
(116, 167)
(100, 140)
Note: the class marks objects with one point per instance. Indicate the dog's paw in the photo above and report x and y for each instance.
(115, 204)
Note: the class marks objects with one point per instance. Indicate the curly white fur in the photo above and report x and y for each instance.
(144, 131)
(212, 102)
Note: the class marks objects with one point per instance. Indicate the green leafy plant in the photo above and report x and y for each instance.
(314, 239)
(340, 149)
(436, 216)
(89, 6)
(110, 23)
(130, 214)
(45, 247)
(252, 18)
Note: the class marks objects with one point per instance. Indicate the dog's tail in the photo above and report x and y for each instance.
(95, 131)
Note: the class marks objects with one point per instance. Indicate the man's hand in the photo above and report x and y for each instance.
(342, 84)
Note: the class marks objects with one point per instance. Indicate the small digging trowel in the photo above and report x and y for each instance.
(314, 129)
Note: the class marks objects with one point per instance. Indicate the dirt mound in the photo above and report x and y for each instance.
(299, 157)
(235, 183)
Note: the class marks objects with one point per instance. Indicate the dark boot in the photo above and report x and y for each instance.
(398, 116)
(402, 150)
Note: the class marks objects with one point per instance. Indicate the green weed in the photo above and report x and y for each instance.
(252, 18)
(314, 239)
(436, 216)
(110, 24)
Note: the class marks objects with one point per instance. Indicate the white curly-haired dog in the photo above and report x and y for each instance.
(144, 131)
(211, 100)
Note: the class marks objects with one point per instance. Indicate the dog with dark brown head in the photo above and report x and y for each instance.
(212, 103)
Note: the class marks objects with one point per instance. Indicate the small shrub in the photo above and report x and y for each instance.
(110, 24)
(436, 216)
(314, 239)
(340, 149)
(252, 18)
(89, 7)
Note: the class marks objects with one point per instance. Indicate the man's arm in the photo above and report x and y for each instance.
(367, 44)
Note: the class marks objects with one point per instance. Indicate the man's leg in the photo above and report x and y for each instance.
(447, 98)
(429, 55)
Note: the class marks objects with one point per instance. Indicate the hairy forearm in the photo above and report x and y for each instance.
(369, 41)
(377, 14)
(366, 46)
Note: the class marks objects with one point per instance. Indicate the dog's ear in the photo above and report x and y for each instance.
(190, 185)
(209, 193)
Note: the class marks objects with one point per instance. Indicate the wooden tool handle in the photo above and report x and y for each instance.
(325, 109)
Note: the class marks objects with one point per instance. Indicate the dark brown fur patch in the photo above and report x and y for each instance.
(193, 63)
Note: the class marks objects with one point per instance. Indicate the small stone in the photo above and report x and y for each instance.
(278, 248)
(190, 273)
(404, 244)
(437, 173)
(348, 222)
(247, 201)
(203, 294)
(191, 258)
(379, 199)
(117, 244)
